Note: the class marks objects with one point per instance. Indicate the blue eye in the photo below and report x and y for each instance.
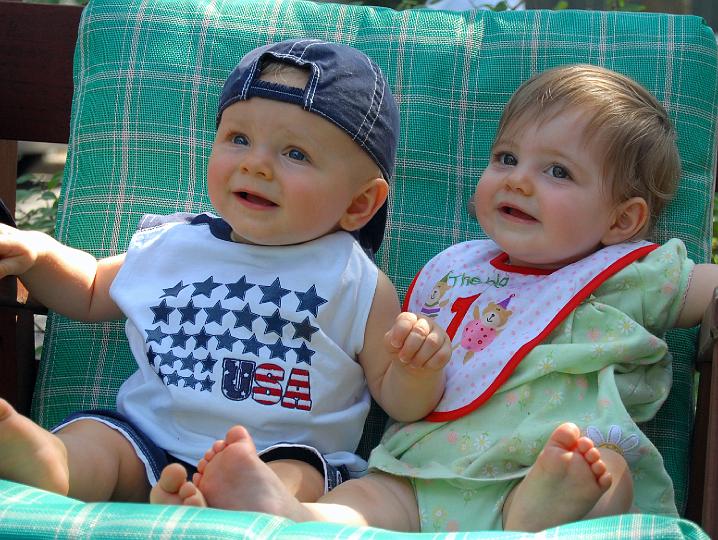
(240, 139)
(557, 171)
(507, 159)
(297, 155)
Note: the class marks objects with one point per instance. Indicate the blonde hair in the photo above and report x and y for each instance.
(286, 74)
(636, 136)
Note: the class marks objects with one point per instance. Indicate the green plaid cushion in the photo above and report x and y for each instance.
(31, 513)
(148, 74)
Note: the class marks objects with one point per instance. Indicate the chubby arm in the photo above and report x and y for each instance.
(66, 280)
(403, 357)
(699, 295)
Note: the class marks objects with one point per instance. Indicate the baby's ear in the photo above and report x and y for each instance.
(629, 219)
(365, 203)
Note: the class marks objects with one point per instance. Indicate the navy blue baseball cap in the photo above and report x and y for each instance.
(344, 87)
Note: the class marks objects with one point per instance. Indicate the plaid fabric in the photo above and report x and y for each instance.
(32, 513)
(147, 78)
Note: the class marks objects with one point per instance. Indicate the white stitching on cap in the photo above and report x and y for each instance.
(299, 42)
(250, 78)
(376, 78)
(279, 91)
(314, 81)
(381, 101)
(312, 43)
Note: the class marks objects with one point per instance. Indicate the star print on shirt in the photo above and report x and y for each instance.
(205, 288)
(183, 357)
(208, 363)
(201, 338)
(156, 335)
(215, 313)
(179, 338)
(173, 291)
(207, 384)
(244, 317)
(167, 359)
(151, 355)
(226, 340)
(238, 289)
(275, 323)
(188, 362)
(189, 312)
(278, 350)
(309, 300)
(304, 329)
(190, 381)
(273, 293)
(162, 312)
(304, 354)
(252, 345)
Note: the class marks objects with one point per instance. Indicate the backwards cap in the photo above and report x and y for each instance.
(344, 87)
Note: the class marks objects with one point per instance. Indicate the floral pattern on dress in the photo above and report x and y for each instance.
(628, 447)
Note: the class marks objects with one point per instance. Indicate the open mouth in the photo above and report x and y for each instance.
(255, 200)
(515, 213)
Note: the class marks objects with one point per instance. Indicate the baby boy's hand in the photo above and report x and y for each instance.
(418, 342)
(17, 255)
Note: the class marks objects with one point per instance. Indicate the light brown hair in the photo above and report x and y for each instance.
(628, 124)
(285, 74)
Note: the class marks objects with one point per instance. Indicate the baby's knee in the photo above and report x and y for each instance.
(385, 500)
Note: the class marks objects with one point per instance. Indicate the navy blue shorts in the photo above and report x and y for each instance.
(156, 459)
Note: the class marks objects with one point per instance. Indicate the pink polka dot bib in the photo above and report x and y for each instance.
(496, 313)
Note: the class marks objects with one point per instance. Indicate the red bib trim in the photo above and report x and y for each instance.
(495, 313)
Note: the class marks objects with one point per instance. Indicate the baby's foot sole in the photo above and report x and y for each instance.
(256, 489)
(564, 484)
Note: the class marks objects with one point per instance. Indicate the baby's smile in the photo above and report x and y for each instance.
(515, 213)
(255, 200)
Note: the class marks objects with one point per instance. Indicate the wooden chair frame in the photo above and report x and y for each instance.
(37, 44)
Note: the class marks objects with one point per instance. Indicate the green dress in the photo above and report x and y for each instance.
(604, 368)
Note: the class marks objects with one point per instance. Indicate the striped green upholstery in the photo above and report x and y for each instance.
(33, 514)
(147, 78)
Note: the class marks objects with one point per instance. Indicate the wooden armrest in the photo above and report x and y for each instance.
(709, 331)
(703, 489)
(6, 301)
(17, 345)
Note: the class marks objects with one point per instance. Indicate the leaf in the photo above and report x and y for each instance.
(498, 6)
(48, 196)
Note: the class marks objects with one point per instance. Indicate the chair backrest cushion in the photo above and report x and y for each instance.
(147, 79)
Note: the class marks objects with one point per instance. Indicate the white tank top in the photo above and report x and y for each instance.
(226, 333)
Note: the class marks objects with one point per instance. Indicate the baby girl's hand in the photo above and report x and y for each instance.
(418, 342)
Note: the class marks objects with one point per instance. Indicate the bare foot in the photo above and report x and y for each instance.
(564, 484)
(231, 476)
(174, 488)
(217, 447)
(31, 455)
